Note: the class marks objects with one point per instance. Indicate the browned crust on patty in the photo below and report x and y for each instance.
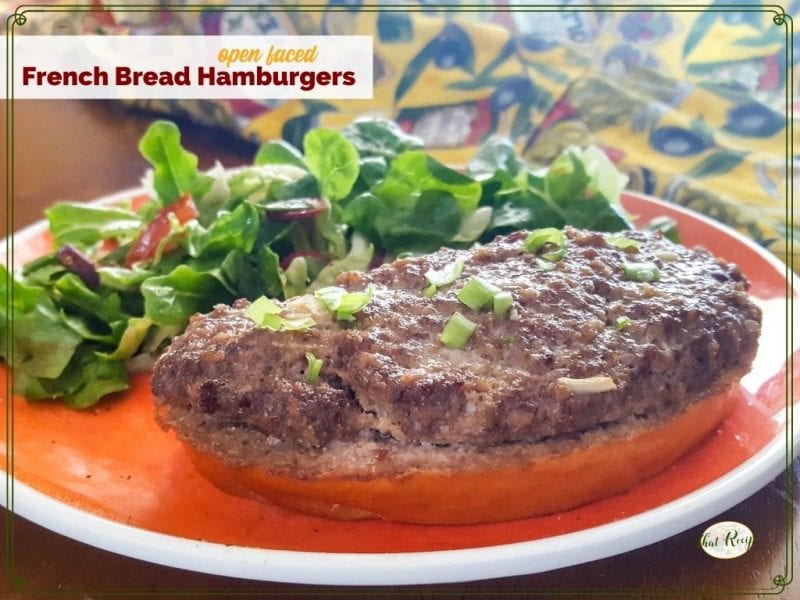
(388, 386)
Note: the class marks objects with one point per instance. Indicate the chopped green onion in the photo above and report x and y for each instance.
(588, 385)
(429, 291)
(457, 331)
(667, 256)
(446, 275)
(314, 367)
(623, 243)
(622, 322)
(299, 324)
(538, 238)
(545, 265)
(555, 255)
(260, 308)
(551, 240)
(271, 322)
(265, 314)
(477, 293)
(502, 303)
(645, 271)
(343, 304)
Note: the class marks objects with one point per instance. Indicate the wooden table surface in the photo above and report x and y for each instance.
(80, 150)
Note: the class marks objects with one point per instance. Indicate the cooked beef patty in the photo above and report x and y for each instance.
(387, 382)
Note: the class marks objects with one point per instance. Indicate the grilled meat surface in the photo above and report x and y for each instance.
(387, 380)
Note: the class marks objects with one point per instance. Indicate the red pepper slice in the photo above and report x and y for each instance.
(146, 244)
(183, 208)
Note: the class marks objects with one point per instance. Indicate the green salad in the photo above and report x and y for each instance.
(123, 280)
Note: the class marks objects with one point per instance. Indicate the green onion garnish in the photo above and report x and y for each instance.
(551, 240)
(622, 322)
(314, 367)
(644, 271)
(538, 238)
(271, 322)
(555, 255)
(343, 304)
(265, 314)
(457, 331)
(261, 307)
(623, 243)
(297, 324)
(477, 293)
(444, 276)
(545, 265)
(502, 303)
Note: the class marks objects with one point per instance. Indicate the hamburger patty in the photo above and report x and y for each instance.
(240, 391)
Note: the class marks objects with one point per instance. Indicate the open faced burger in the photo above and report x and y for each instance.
(527, 376)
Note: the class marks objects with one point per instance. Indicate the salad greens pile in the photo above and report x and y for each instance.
(124, 279)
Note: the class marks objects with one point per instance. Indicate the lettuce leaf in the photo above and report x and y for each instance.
(171, 299)
(333, 160)
(86, 225)
(380, 138)
(174, 168)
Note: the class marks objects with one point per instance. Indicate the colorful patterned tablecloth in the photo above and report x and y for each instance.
(692, 105)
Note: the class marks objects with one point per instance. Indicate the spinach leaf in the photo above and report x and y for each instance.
(357, 259)
(584, 187)
(253, 275)
(667, 226)
(235, 230)
(99, 378)
(380, 138)
(495, 154)
(133, 336)
(122, 279)
(171, 299)
(426, 225)
(360, 215)
(279, 153)
(88, 377)
(372, 170)
(473, 225)
(43, 343)
(333, 160)
(414, 172)
(304, 187)
(605, 181)
(295, 277)
(43, 271)
(174, 169)
(86, 327)
(566, 178)
(106, 306)
(329, 235)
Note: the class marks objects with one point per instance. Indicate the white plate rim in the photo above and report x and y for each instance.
(427, 567)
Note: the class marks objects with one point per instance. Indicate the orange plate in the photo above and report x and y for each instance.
(114, 461)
